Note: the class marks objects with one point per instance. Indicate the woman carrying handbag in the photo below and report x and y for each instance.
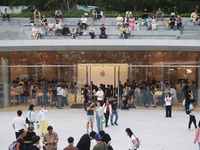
(31, 118)
(133, 143)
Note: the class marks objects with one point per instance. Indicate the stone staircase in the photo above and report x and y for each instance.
(19, 29)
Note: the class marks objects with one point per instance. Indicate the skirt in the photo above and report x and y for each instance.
(43, 126)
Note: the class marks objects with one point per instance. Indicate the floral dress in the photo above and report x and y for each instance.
(131, 23)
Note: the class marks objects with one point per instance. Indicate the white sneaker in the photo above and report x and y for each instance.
(177, 30)
(171, 30)
(49, 34)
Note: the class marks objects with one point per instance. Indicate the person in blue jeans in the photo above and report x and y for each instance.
(99, 116)
(31, 115)
(114, 105)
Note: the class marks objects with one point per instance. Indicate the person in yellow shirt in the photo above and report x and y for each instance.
(121, 32)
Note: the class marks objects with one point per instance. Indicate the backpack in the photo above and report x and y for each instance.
(13, 145)
(139, 142)
(188, 111)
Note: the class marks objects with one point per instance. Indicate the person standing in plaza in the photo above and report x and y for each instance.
(108, 92)
(85, 141)
(99, 116)
(65, 97)
(90, 107)
(50, 139)
(106, 138)
(100, 95)
(100, 144)
(28, 137)
(107, 111)
(192, 116)
(42, 117)
(197, 135)
(133, 142)
(86, 94)
(45, 96)
(75, 91)
(36, 143)
(168, 105)
(31, 115)
(114, 105)
(2, 95)
(71, 143)
(18, 123)
(20, 140)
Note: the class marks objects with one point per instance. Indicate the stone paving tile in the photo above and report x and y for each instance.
(154, 130)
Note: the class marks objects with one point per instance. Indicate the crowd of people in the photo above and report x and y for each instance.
(55, 92)
(127, 24)
(26, 138)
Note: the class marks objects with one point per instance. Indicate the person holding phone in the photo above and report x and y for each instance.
(168, 104)
(90, 107)
(179, 22)
(42, 117)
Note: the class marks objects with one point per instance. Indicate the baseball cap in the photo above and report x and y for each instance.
(98, 137)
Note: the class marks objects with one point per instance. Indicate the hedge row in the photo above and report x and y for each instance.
(77, 14)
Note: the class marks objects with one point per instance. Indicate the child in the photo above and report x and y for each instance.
(73, 33)
(192, 116)
(168, 104)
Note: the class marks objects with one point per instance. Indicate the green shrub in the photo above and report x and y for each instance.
(77, 14)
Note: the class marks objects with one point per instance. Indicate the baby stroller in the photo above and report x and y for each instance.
(125, 102)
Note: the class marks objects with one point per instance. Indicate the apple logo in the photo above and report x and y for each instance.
(102, 73)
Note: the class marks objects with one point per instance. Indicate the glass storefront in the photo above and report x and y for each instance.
(24, 74)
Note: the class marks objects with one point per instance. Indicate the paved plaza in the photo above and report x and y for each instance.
(154, 130)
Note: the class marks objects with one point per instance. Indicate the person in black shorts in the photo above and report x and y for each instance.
(103, 34)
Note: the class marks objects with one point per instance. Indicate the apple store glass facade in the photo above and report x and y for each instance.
(26, 77)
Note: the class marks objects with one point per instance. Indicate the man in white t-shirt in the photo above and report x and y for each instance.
(18, 123)
(83, 22)
(51, 27)
(119, 20)
(100, 96)
(58, 27)
(129, 13)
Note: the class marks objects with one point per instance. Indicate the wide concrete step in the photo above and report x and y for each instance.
(74, 21)
(112, 37)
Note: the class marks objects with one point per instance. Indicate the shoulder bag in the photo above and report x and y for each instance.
(138, 141)
(27, 121)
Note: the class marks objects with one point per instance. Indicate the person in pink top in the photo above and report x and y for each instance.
(197, 135)
(131, 22)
